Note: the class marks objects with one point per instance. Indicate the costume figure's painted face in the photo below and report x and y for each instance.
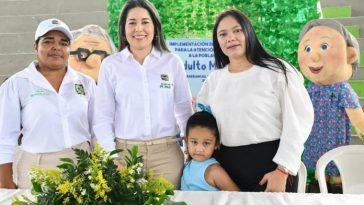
(87, 52)
(324, 57)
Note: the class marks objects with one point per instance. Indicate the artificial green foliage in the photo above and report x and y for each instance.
(180, 18)
(277, 22)
(113, 9)
(95, 180)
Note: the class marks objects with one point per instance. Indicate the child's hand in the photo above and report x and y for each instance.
(276, 181)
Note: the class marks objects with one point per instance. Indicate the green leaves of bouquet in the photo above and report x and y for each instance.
(95, 179)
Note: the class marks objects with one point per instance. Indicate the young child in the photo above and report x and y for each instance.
(202, 172)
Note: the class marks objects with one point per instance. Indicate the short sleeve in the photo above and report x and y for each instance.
(348, 97)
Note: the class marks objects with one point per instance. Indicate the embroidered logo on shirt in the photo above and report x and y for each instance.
(165, 85)
(79, 89)
(40, 92)
(165, 82)
(164, 77)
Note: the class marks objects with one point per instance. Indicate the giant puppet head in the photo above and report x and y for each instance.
(90, 46)
(327, 52)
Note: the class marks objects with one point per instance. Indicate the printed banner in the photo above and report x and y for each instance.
(198, 58)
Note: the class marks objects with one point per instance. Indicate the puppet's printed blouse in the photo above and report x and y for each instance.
(332, 126)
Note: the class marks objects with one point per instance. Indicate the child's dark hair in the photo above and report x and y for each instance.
(206, 120)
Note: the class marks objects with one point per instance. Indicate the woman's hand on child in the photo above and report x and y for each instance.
(276, 181)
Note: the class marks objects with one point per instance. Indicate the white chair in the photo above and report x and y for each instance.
(302, 177)
(350, 162)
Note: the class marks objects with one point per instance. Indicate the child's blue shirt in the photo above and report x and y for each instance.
(193, 177)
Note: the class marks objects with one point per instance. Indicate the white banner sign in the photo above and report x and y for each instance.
(198, 58)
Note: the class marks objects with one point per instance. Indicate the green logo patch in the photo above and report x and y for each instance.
(79, 89)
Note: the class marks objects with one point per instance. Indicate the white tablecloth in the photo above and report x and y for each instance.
(237, 198)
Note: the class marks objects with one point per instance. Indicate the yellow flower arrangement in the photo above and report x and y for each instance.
(95, 179)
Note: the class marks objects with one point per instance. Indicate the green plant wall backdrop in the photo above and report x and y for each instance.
(277, 22)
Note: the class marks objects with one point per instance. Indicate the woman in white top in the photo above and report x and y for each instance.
(143, 96)
(49, 103)
(261, 106)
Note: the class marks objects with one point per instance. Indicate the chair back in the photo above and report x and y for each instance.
(350, 162)
(302, 177)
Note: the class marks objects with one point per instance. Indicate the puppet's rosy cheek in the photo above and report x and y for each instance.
(301, 60)
(336, 59)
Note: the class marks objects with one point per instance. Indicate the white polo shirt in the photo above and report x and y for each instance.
(50, 121)
(141, 102)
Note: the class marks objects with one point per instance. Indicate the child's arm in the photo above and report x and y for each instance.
(216, 176)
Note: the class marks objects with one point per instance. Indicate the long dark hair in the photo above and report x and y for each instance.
(158, 40)
(255, 53)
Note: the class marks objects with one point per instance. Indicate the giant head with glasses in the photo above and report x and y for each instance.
(90, 46)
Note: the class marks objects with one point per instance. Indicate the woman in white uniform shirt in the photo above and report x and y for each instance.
(143, 94)
(262, 109)
(50, 104)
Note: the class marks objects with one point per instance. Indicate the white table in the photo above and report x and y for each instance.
(237, 198)
(261, 198)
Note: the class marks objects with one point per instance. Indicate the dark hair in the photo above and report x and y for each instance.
(206, 120)
(158, 40)
(37, 41)
(255, 53)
